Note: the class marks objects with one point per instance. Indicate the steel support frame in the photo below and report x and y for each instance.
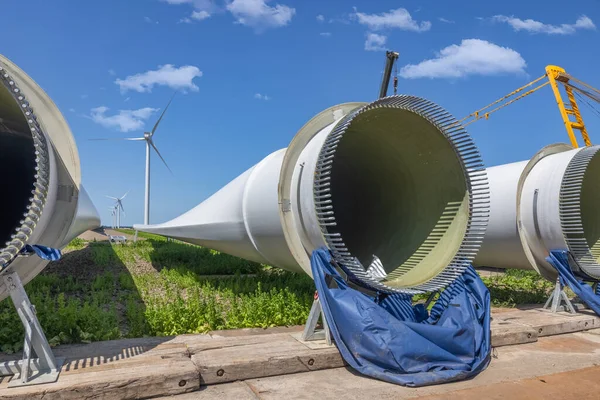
(558, 296)
(311, 332)
(29, 371)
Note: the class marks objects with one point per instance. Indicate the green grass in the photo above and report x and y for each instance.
(142, 234)
(517, 287)
(100, 291)
(76, 244)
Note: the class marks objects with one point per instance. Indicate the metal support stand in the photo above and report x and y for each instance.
(556, 298)
(29, 371)
(135, 236)
(310, 329)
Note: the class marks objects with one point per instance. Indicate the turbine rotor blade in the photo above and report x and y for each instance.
(121, 138)
(162, 115)
(122, 197)
(110, 197)
(161, 157)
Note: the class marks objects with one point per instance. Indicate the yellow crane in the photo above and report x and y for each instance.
(556, 77)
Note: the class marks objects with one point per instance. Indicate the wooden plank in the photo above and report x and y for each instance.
(226, 391)
(138, 368)
(277, 357)
(153, 377)
(507, 334)
(257, 331)
(199, 343)
(227, 360)
(546, 323)
(114, 350)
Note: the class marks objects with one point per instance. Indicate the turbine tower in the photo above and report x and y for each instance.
(113, 215)
(149, 143)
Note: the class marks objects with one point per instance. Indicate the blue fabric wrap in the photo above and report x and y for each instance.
(560, 260)
(386, 341)
(43, 252)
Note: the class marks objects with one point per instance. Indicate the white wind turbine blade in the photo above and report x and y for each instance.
(161, 157)
(122, 197)
(110, 197)
(162, 115)
(121, 138)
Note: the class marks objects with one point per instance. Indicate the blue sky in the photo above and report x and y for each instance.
(252, 72)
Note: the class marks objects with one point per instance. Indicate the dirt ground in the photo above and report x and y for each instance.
(101, 234)
(96, 234)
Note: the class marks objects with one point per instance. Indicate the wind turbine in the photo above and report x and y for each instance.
(149, 143)
(118, 207)
(113, 214)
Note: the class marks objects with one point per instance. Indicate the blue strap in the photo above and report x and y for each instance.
(393, 341)
(559, 259)
(43, 252)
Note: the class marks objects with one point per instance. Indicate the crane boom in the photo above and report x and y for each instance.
(556, 74)
(391, 57)
(553, 76)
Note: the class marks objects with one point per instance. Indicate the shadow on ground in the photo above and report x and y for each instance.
(200, 260)
(221, 271)
(87, 296)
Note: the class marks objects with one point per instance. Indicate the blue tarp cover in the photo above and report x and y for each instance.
(43, 252)
(385, 339)
(560, 260)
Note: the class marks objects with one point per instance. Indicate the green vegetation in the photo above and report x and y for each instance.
(154, 287)
(517, 287)
(76, 244)
(99, 291)
(143, 234)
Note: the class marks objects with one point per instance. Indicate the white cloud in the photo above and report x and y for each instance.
(325, 34)
(375, 42)
(261, 96)
(112, 72)
(198, 4)
(196, 16)
(258, 15)
(127, 99)
(125, 120)
(320, 18)
(167, 75)
(399, 18)
(446, 21)
(203, 9)
(84, 96)
(470, 57)
(200, 15)
(150, 21)
(533, 26)
(72, 109)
